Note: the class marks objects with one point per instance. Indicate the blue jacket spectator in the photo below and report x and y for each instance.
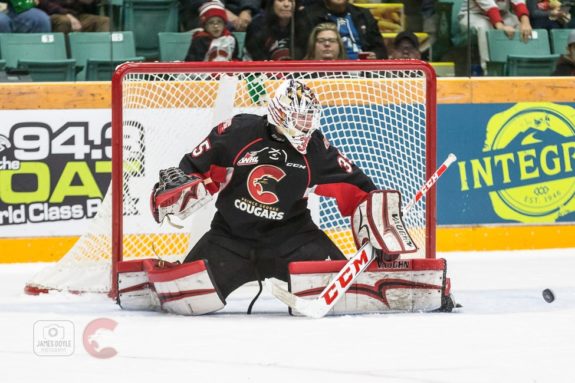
(356, 26)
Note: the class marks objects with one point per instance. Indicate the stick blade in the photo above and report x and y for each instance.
(280, 293)
(312, 308)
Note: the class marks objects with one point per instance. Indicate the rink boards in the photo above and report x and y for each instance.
(21, 244)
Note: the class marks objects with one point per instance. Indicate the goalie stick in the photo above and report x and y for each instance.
(320, 306)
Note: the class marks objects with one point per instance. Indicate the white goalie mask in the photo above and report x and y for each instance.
(295, 111)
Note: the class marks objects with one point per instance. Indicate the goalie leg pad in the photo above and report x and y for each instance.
(134, 289)
(177, 193)
(186, 289)
(378, 220)
(413, 285)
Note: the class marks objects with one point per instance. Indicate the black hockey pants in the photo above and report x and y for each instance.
(233, 263)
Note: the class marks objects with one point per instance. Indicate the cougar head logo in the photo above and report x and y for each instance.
(266, 183)
(262, 183)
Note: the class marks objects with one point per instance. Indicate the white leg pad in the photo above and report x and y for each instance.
(135, 291)
(415, 285)
(186, 289)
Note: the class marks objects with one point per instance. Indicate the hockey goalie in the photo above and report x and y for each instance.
(262, 169)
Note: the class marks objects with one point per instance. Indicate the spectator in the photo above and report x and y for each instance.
(24, 17)
(548, 14)
(269, 35)
(325, 43)
(75, 16)
(566, 63)
(405, 46)
(214, 42)
(357, 27)
(492, 14)
(241, 12)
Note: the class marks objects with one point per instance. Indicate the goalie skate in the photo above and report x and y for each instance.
(178, 194)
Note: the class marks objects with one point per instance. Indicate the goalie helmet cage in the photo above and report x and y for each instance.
(379, 114)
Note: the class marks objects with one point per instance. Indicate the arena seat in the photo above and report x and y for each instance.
(537, 48)
(174, 45)
(558, 39)
(147, 18)
(98, 53)
(43, 55)
(114, 9)
(531, 65)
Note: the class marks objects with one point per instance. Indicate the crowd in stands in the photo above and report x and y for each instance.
(306, 29)
(282, 30)
(356, 26)
(510, 16)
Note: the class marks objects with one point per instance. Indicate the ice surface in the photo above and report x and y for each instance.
(505, 332)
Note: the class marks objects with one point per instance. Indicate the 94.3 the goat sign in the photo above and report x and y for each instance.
(55, 168)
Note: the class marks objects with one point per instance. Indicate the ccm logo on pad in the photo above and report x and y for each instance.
(345, 278)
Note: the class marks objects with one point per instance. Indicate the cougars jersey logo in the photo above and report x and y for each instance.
(262, 183)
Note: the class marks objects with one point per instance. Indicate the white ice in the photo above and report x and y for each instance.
(505, 332)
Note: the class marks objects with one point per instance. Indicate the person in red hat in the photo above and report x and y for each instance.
(214, 42)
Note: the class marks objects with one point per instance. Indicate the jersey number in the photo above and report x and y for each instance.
(203, 147)
(345, 164)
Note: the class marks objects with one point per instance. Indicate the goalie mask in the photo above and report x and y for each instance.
(295, 111)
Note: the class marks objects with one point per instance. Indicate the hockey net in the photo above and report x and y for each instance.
(379, 114)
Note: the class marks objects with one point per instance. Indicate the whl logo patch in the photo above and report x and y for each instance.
(528, 167)
(251, 158)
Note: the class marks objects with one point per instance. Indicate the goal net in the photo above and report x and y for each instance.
(379, 114)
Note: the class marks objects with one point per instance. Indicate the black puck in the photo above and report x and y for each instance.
(548, 295)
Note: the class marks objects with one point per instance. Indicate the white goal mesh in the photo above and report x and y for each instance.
(381, 115)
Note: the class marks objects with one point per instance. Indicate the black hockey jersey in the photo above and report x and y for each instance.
(263, 182)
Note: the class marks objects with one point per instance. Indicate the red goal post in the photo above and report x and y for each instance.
(380, 114)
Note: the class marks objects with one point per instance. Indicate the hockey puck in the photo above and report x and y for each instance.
(548, 295)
